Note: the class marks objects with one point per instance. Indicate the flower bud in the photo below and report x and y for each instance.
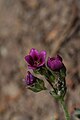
(55, 63)
(35, 84)
(30, 79)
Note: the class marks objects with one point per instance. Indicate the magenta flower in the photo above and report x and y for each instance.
(35, 59)
(30, 79)
(55, 63)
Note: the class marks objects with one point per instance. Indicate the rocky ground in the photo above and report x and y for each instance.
(52, 25)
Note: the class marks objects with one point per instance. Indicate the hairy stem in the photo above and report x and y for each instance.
(67, 116)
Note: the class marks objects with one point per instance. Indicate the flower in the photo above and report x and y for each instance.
(29, 79)
(35, 59)
(55, 63)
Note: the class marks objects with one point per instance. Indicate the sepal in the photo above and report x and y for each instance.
(37, 86)
(63, 72)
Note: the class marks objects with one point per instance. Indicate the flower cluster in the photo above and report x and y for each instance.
(53, 70)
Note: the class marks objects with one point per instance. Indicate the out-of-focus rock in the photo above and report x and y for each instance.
(32, 4)
(9, 22)
(3, 51)
(19, 117)
(3, 105)
(11, 91)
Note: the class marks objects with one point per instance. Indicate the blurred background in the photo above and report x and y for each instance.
(51, 25)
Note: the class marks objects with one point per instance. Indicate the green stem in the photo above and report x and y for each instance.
(67, 116)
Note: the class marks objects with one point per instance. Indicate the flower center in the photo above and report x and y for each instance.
(36, 62)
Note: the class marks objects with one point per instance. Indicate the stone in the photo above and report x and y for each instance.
(11, 91)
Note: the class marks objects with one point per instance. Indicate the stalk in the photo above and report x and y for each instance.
(67, 116)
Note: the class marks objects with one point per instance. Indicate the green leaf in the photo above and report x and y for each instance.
(38, 86)
(52, 78)
(37, 71)
(77, 113)
(34, 89)
(41, 70)
(63, 72)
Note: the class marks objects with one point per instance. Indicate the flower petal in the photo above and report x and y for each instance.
(59, 58)
(56, 65)
(34, 54)
(42, 57)
(49, 62)
(29, 60)
(32, 67)
(42, 54)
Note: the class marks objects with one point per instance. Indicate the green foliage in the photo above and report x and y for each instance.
(50, 75)
(41, 70)
(38, 86)
(36, 71)
(52, 78)
(63, 72)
